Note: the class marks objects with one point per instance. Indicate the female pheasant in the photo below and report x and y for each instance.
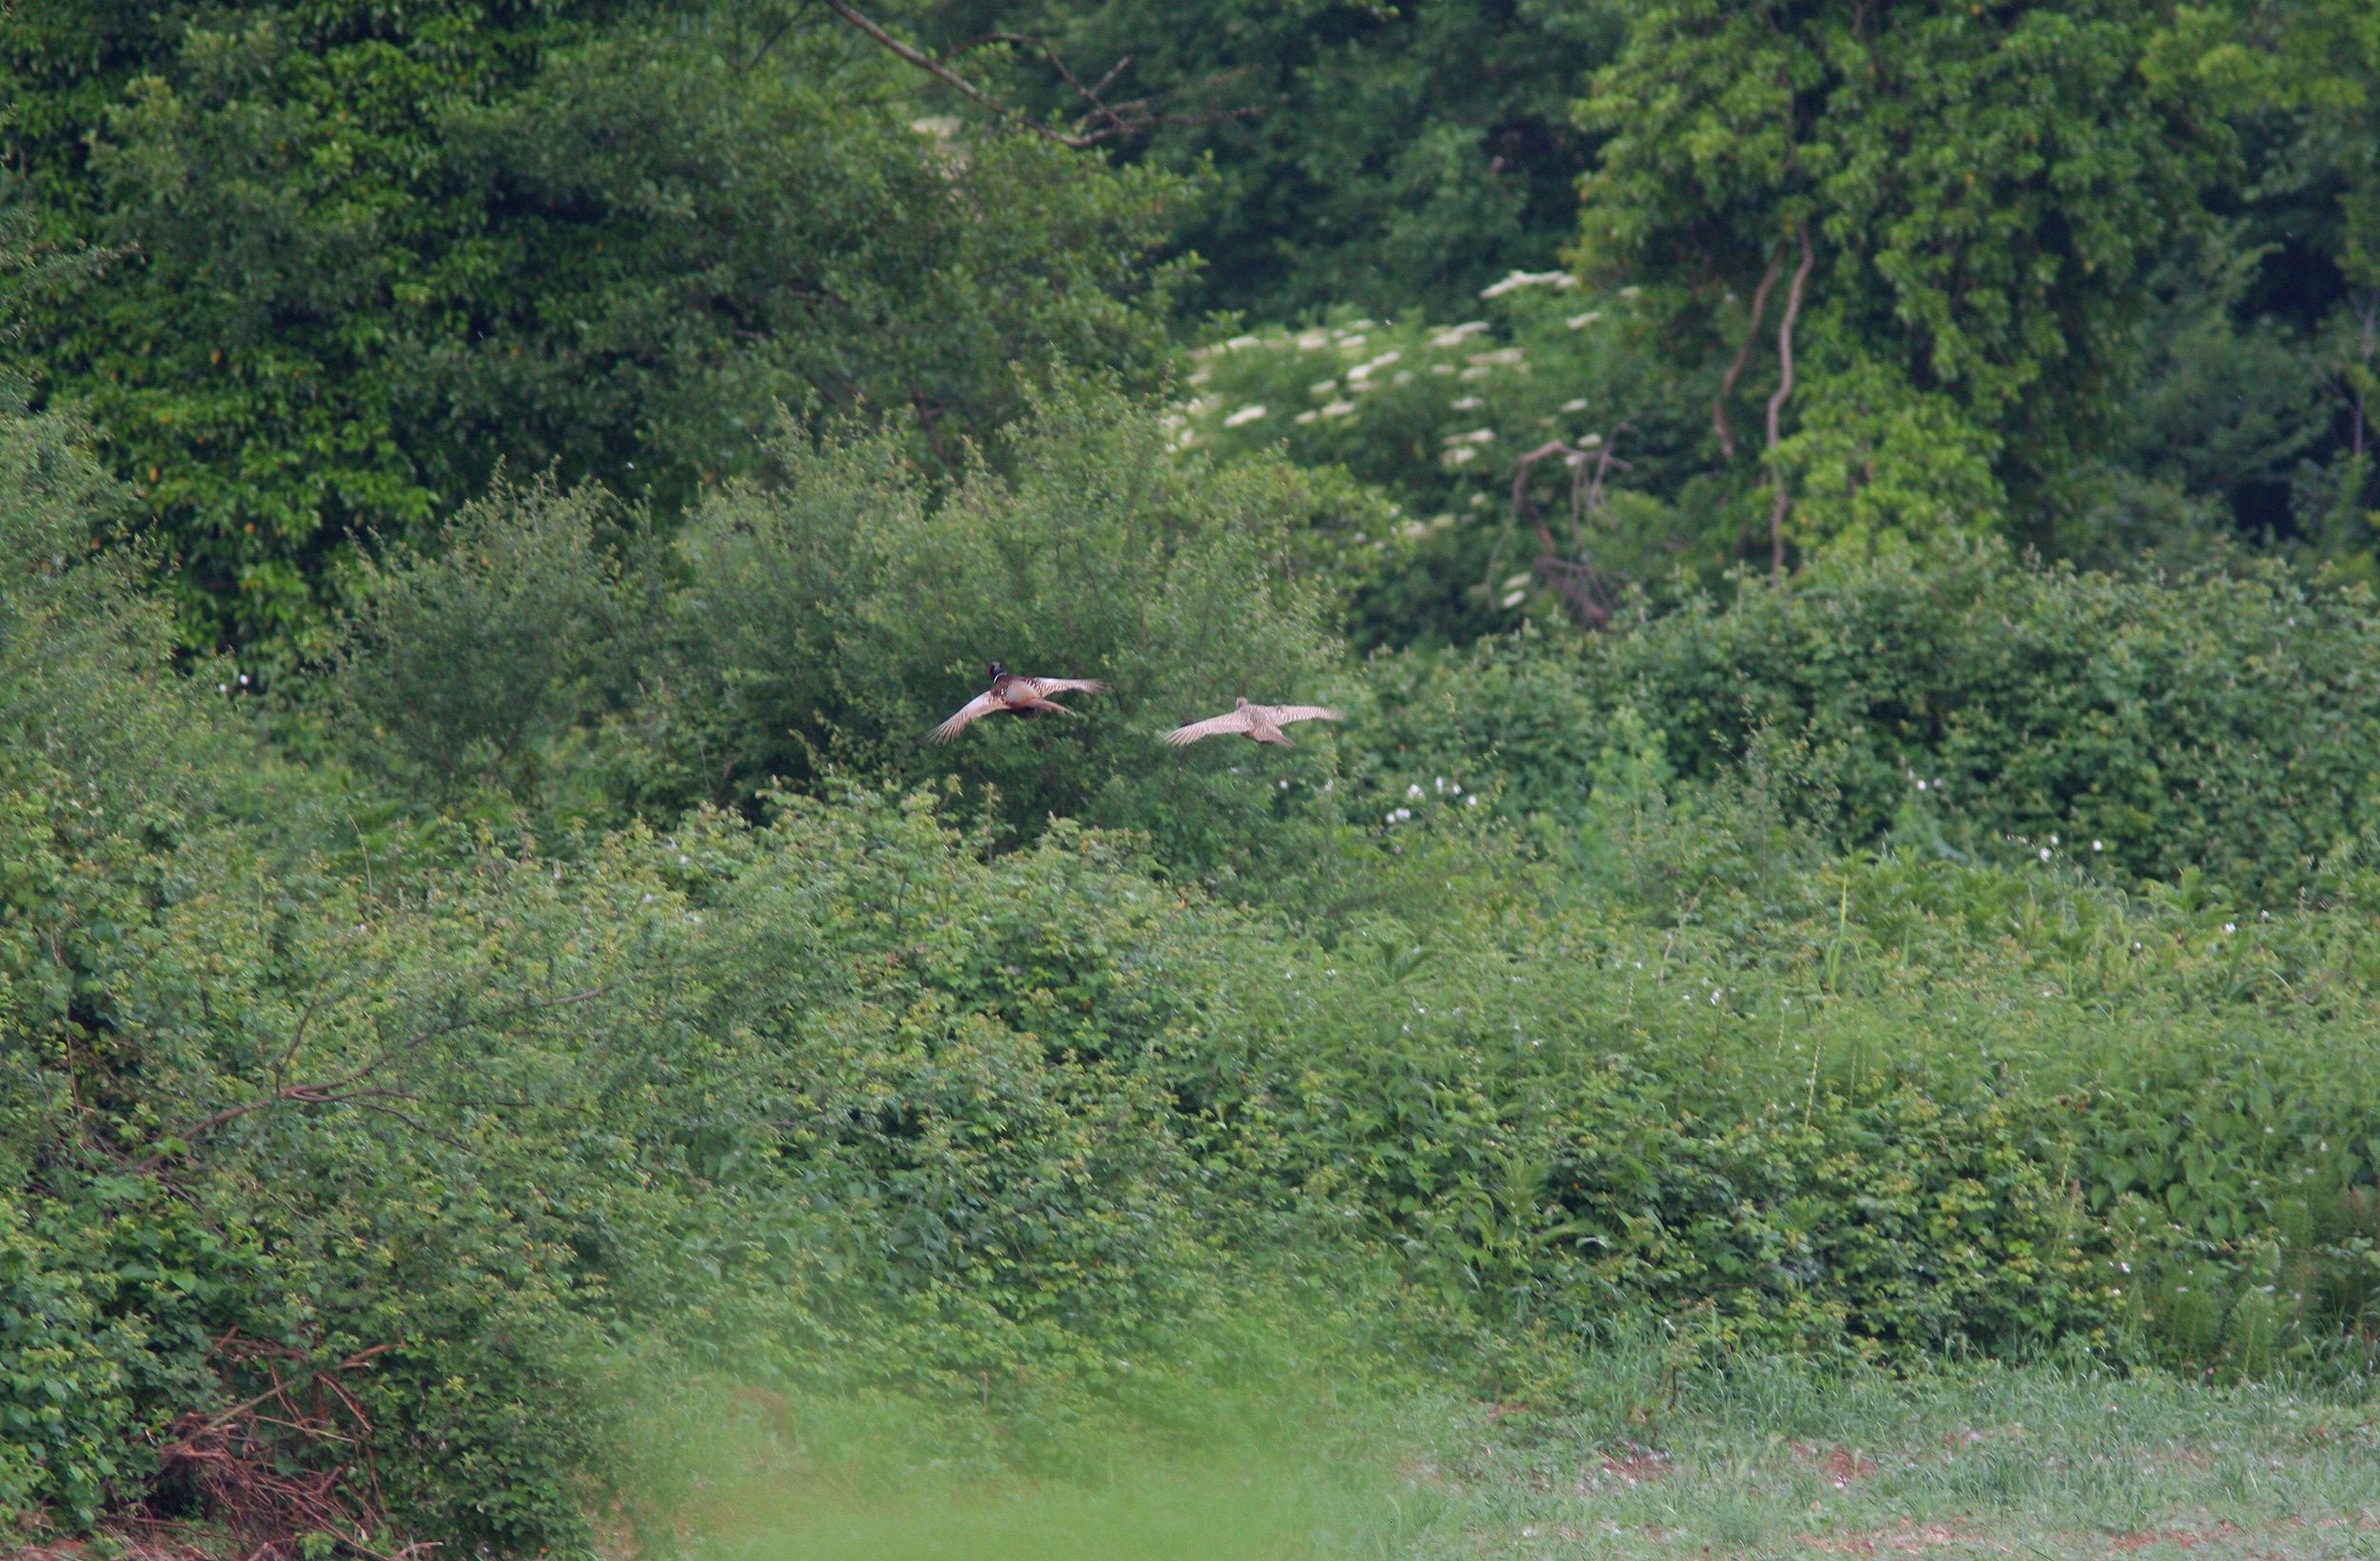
(1258, 723)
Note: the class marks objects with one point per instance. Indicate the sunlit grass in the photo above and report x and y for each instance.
(1768, 1459)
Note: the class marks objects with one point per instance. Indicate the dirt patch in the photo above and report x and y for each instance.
(1909, 1541)
(2186, 1538)
(1631, 1466)
(1843, 1466)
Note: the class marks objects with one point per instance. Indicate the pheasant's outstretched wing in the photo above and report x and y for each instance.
(1237, 721)
(983, 704)
(1046, 686)
(1282, 715)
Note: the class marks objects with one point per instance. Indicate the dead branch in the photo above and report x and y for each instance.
(1777, 402)
(941, 72)
(238, 1460)
(349, 1089)
(1121, 119)
(1101, 121)
(1743, 356)
(1588, 592)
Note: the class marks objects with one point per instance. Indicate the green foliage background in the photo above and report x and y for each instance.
(494, 498)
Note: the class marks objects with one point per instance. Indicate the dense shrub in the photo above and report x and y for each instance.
(834, 616)
(2217, 724)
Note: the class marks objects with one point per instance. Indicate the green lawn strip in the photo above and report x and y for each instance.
(2005, 1461)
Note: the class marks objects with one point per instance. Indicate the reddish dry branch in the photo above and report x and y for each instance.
(292, 1460)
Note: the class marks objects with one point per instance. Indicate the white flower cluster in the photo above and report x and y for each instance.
(1528, 279)
(1441, 788)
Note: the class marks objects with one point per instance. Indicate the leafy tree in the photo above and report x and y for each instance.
(2302, 77)
(1378, 156)
(1948, 212)
(368, 253)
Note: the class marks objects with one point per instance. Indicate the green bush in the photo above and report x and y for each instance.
(2142, 728)
(468, 663)
(834, 617)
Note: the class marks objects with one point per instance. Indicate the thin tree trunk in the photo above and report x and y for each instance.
(1777, 402)
(1743, 357)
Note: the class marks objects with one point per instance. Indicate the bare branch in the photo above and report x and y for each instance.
(942, 73)
(1101, 120)
(1777, 402)
(1585, 590)
(342, 1089)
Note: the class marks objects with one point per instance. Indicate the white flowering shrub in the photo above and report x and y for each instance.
(1442, 417)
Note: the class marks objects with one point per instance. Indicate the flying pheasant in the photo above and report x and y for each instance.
(1015, 695)
(1258, 723)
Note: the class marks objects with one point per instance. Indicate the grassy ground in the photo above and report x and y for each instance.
(1772, 1462)
(2026, 1463)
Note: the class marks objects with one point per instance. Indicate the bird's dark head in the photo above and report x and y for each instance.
(996, 671)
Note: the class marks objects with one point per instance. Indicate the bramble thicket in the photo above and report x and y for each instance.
(1844, 538)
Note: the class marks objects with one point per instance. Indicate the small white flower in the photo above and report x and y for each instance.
(1312, 341)
(1459, 456)
(1472, 800)
(2097, 846)
(1511, 599)
(2230, 926)
(2044, 853)
(1303, 418)
(1581, 321)
(1322, 387)
(1921, 785)
(1453, 335)
(1238, 341)
(1245, 414)
(1414, 791)
(1630, 292)
(1340, 409)
(2054, 839)
(1467, 404)
(1577, 406)
(2126, 1267)
(223, 688)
